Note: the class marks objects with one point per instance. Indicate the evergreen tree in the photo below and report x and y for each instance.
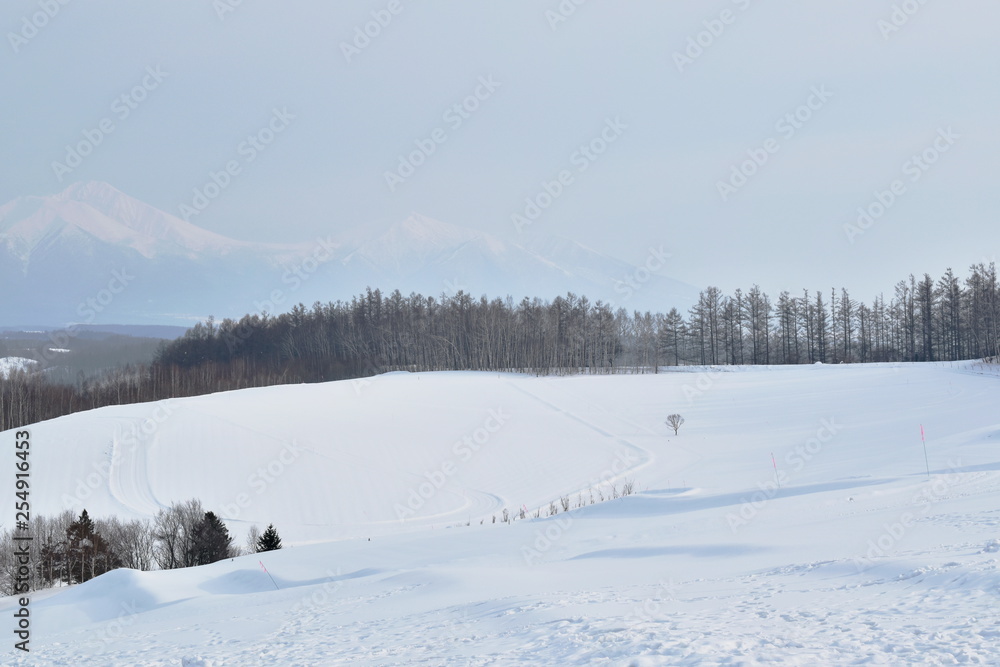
(269, 541)
(85, 551)
(211, 541)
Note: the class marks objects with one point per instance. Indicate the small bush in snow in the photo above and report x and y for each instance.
(674, 421)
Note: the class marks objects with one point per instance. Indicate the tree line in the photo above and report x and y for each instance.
(69, 549)
(922, 320)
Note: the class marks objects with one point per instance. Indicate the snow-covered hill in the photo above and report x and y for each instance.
(790, 521)
(92, 254)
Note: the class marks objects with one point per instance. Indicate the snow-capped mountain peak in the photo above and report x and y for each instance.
(97, 213)
(59, 251)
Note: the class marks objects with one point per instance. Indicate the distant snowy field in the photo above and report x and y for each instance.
(379, 487)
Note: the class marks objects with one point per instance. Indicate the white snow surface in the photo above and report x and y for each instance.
(10, 364)
(858, 558)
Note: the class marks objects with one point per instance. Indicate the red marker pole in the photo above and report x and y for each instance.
(777, 477)
(269, 575)
(924, 441)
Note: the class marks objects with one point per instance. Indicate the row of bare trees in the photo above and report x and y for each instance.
(373, 333)
(393, 332)
(923, 320)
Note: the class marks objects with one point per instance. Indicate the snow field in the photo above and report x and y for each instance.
(856, 557)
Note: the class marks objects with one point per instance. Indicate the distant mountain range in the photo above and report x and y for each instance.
(92, 254)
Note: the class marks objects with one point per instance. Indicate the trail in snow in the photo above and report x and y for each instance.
(128, 475)
(624, 455)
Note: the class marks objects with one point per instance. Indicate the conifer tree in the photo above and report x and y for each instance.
(85, 552)
(269, 541)
(211, 541)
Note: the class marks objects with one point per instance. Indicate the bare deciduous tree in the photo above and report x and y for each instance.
(174, 529)
(131, 541)
(253, 536)
(674, 421)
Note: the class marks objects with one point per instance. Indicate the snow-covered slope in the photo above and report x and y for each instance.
(791, 520)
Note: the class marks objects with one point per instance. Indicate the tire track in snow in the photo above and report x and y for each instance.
(128, 475)
(696, 457)
(646, 457)
(482, 504)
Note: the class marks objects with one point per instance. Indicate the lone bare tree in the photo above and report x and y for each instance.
(674, 421)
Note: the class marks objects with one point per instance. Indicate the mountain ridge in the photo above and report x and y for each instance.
(61, 251)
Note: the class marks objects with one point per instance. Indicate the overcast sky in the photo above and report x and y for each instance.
(672, 97)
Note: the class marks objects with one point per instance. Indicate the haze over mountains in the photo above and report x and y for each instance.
(92, 254)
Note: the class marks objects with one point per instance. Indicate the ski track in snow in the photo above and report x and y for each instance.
(646, 457)
(128, 475)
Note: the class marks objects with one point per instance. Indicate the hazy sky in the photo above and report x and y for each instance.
(672, 97)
